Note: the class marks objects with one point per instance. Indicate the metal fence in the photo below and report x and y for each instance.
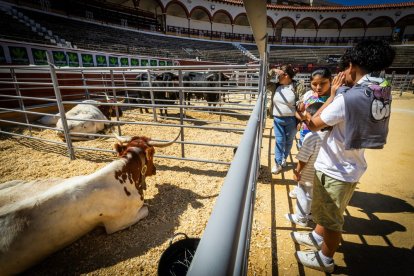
(24, 90)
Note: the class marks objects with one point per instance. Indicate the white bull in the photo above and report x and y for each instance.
(40, 217)
(86, 112)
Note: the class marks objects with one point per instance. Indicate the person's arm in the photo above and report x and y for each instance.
(297, 171)
(316, 123)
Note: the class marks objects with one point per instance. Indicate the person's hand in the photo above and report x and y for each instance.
(301, 107)
(296, 175)
(337, 82)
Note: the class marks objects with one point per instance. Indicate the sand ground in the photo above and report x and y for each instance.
(378, 236)
(379, 222)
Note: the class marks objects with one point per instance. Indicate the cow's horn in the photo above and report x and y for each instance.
(163, 144)
(122, 139)
(107, 98)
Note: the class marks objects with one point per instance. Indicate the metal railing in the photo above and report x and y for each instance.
(62, 88)
(225, 244)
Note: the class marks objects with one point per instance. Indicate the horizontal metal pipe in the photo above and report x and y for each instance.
(112, 151)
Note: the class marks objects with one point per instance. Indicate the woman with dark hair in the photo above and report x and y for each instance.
(284, 98)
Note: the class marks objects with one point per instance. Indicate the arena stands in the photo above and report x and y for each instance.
(105, 27)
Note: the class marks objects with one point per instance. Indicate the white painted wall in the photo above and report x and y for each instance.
(269, 31)
(219, 27)
(409, 30)
(352, 32)
(379, 31)
(367, 15)
(177, 21)
(238, 29)
(201, 25)
(288, 32)
(305, 33)
(328, 33)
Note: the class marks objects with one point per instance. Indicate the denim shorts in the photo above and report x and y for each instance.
(330, 199)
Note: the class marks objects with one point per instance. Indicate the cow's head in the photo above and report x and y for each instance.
(110, 110)
(141, 146)
(215, 77)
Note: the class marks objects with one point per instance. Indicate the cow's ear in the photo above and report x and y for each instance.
(149, 152)
(119, 148)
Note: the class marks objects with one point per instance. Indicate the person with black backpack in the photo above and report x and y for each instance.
(284, 98)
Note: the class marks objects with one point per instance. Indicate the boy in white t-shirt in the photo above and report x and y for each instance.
(305, 171)
(359, 111)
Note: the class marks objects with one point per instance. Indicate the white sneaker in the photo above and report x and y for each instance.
(293, 218)
(283, 164)
(306, 238)
(292, 193)
(313, 260)
(276, 169)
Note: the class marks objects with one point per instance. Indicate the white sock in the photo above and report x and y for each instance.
(317, 237)
(325, 260)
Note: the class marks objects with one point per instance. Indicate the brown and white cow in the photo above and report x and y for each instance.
(40, 217)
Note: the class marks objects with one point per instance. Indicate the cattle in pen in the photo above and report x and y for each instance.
(80, 119)
(161, 98)
(40, 217)
(206, 80)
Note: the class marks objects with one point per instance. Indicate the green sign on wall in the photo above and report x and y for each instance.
(144, 62)
(162, 62)
(134, 62)
(73, 59)
(59, 58)
(18, 55)
(2, 56)
(101, 61)
(124, 62)
(113, 61)
(169, 63)
(39, 56)
(153, 62)
(87, 60)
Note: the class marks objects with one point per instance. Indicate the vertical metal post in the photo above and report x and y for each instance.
(220, 96)
(21, 103)
(103, 81)
(60, 106)
(126, 85)
(114, 94)
(404, 84)
(245, 82)
(181, 94)
(85, 85)
(154, 110)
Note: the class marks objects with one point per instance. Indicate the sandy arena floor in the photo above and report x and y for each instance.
(379, 225)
